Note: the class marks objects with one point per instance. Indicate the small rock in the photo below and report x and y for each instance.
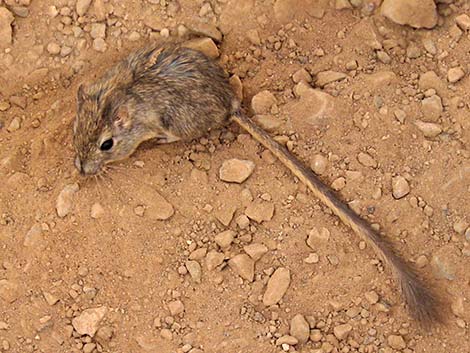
(432, 108)
(396, 342)
(236, 170)
(214, 259)
(262, 102)
(338, 183)
(455, 74)
(267, 122)
(400, 187)
(463, 21)
(430, 46)
(198, 254)
(97, 211)
(312, 259)
(205, 30)
(366, 160)
(289, 340)
(98, 30)
(326, 77)
(34, 238)
(342, 4)
(318, 164)
(194, 269)
(277, 286)
(415, 13)
(315, 237)
(89, 347)
(460, 226)
(299, 328)
(166, 334)
(372, 297)
(384, 57)
(243, 266)
(253, 37)
(225, 239)
(256, 251)
(100, 45)
(260, 211)
(9, 291)
(64, 202)
(176, 307)
(156, 206)
(457, 307)
(6, 32)
(430, 80)
(82, 7)
(302, 75)
(204, 45)
(15, 124)
(342, 331)
(237, 86)
(4, 106)
(134, 36)
(88, 321)
(104, 334)
(430, 130)
(50, 299)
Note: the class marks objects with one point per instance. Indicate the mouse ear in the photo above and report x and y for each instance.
(81, 94)
(123, 119)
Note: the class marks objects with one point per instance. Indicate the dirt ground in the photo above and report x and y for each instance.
(141, 261)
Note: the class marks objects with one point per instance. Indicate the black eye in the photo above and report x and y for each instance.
(107, 145)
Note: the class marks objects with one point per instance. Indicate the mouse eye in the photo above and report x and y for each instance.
(107, 145)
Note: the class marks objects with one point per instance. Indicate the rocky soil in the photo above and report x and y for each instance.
(213, 246)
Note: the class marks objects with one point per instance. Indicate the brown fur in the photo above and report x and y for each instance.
(172, 93)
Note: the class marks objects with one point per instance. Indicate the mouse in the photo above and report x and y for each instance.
(168, 93)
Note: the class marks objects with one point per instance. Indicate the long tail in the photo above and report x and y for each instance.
(422, 303)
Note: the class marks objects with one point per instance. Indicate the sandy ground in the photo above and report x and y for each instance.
(124, 269)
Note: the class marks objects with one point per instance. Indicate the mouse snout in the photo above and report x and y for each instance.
(86, 168)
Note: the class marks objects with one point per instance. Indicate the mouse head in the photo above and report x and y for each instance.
(103, 129)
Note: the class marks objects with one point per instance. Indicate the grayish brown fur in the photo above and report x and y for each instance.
(173, 93)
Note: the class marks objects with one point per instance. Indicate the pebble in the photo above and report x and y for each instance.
(400, 187)
(460, 226)
(100, 45)
(82, 7)
(214, 259)
(176, 307)
(243, 266)
(97, 211)
(6, 32)
(262, 102)
(4, 106)
(253, 36)
(455, 74)
(430, 130)
(312, 259)
(237, 86)
(326, 77)
(316, 237)
(267, 122)
(198, 254)
(236, 170)
(64, 203)
(50, 299)
(342, 331)
(166, 334)
(463, 21)
(318, 164)
(396, 342)
(134, 36)
(372, 297)
(256, 251)
(15, 124)
(9, 290)
(422, 261)
(194, 269)
(205, 30)
(34, 237)
(156, 206)
(225, 239)
(338, 184)
(260, 211)
(432, 108)
(415, 13)
(302, 75)
(366, 160)
(98, 30)
(88, 321)
(104, 334)
(286, 339)
(299, 328)
(277, 286)
(204, 45)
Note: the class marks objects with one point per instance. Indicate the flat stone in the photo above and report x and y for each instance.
(243, 266)
(463, 21)
(432, 108)
(82, 7)
(267, 122)
(396, 342)
(194, 269)
(342, 331)
(400, 187)
(260, 211)
(289, 10)
(6, 32)
(277, 286)
(175, 307)
(455, 74)
(256, 251)
(214, 259)
(299, 328)
(326, 77)
(64, 203)
(415, 13)
(225, 239)
(236, 170)
(9, 290)
(34, 238)
(205, 46)
(88, 321)
(262, 102)
(430, 130)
